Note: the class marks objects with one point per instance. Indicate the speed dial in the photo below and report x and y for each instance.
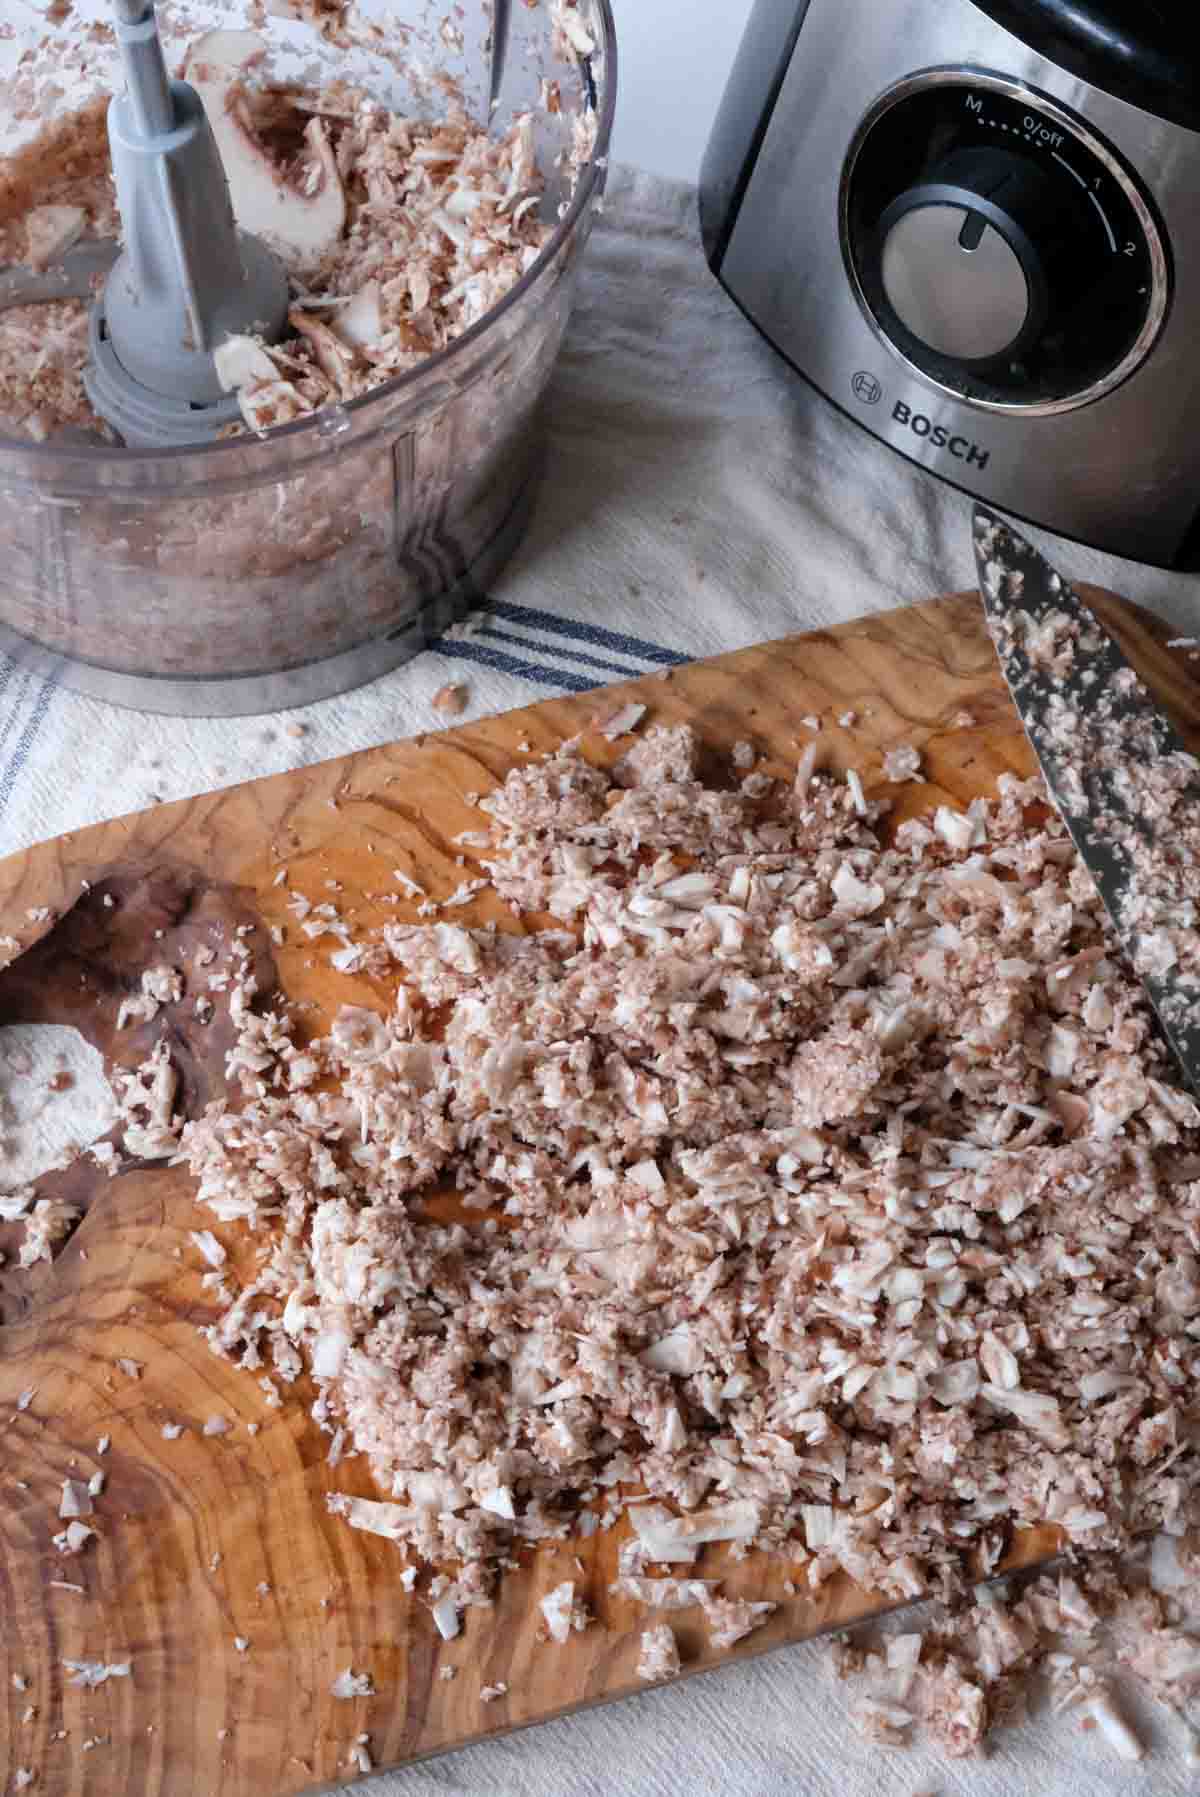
(999, 247)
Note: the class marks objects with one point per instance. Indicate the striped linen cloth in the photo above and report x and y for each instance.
(700, 499)
(564, 653)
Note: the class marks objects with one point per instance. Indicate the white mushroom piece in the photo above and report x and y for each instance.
(301, 225)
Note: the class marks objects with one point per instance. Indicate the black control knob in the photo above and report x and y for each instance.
(998, 246)
(969, 258)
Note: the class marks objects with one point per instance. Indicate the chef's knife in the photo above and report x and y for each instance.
(1119, 775)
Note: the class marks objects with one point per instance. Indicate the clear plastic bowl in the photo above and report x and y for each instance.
(264, 572)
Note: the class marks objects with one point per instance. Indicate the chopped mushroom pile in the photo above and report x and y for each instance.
(398, 234)
(815, 1190)
(436, 222)
(824, 1190)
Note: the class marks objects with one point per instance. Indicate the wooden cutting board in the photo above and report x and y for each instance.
(202, 1540)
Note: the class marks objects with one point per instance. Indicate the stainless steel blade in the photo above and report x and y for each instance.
(72, 276)
(1122, 780)
(501, 27)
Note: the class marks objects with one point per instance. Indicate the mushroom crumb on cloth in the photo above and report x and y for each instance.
(450, 700)
(1094, 1633)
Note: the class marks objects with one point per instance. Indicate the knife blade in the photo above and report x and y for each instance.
(1119, 775)
(501, 30)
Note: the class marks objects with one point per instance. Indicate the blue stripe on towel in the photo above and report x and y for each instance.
(591, 661)
(12, 710)
(471, 649)
(28, 736)
(586, 633)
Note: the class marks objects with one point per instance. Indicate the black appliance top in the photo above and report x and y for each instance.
(1146, 52)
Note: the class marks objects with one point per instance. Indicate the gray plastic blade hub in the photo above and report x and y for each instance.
(186, 278)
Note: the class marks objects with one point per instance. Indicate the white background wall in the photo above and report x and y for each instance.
(674, 57)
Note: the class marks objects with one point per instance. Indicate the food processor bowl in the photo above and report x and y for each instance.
(270, 570)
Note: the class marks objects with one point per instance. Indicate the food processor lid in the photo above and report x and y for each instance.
(1146, 52)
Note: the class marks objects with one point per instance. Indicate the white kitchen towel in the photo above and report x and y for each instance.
(700, 497)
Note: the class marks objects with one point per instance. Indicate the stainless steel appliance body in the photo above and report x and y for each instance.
(976, 228)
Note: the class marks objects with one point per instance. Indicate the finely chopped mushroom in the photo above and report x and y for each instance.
(1093, 1633)
(846, 1197)
(398, 235)
(829, 1192)
(659, 1653)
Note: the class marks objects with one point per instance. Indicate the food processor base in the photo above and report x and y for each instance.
(251, 695)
